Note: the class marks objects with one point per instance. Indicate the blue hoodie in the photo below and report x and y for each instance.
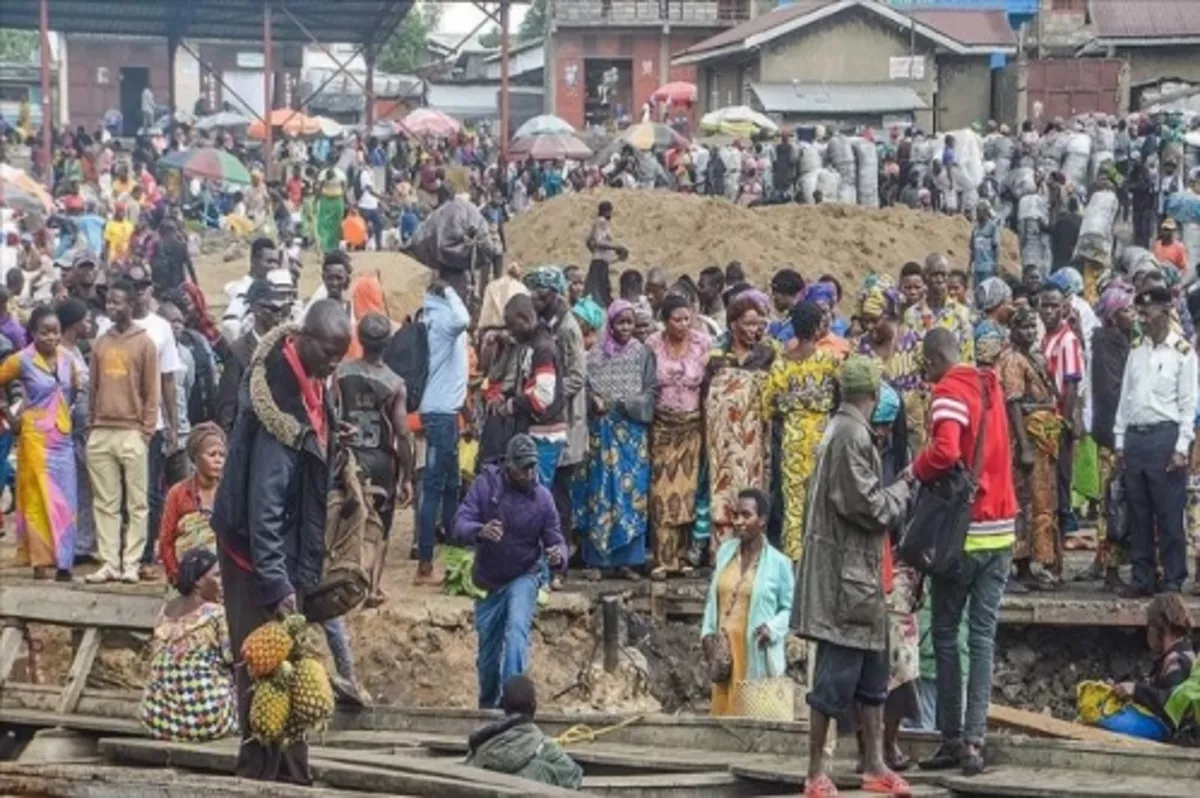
(446, 321)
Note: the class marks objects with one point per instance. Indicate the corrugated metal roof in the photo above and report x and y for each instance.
(467, 101)
(976, 28)
(836, 98)
(354, 21)
(759, 24)
(1145, 19)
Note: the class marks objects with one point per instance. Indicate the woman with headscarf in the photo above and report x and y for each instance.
(1037, 429)
(189, 696)
(188, 506)
(738, 429)
(801, 390)
(590, 316)
(896, 347)
(994, 299)
(825, 295)
(1111, 345)
(677, 433)
(611, 513)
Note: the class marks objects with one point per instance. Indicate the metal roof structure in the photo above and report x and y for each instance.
(836, 99)
(1146, 22)
(354, 21)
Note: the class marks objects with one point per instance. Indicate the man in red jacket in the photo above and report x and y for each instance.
(968, 402)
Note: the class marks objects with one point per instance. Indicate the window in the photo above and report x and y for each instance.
(1068, 6)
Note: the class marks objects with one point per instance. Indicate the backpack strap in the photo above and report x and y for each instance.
(985, 402)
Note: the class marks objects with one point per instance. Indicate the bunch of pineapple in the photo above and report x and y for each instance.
(292, 692)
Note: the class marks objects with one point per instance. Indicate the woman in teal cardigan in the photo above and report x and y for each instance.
(750, 600)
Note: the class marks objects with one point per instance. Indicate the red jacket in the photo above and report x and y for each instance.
(954, 416)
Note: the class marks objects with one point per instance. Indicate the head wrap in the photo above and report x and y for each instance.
(194, 564)
(1116, 297)
(590, 313)
(201, 436)
(1170, 274)
(990, 338)
(860, 375)
(1069, 280)
(992, 293)
(887, 406)
(822, 292)
(550, 277)
(611, 347)
(878, 297)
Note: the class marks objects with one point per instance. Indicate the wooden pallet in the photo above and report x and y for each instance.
(90, 613)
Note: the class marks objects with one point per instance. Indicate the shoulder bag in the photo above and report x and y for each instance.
(936, 533)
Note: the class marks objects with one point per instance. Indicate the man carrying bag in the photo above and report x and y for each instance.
(967, 403)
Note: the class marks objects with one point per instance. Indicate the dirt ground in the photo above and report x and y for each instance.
(685, 233)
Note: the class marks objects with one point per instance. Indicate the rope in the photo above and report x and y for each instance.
(582, 733)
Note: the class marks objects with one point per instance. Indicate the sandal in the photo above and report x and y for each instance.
(897, 761)
(820, 787)
(887, 783)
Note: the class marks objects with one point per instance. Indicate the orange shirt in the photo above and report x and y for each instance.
(1174, 254)
(354, 231)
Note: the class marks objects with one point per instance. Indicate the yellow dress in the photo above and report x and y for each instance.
(734, 590)
(800, 393)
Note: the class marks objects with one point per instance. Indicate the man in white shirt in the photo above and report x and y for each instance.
(1153, 435)
(264, 258)
(148, 108)
(368, 205)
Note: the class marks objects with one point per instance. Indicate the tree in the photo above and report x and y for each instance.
(17, 45)
(406, 50)
(490, 38)
(533, 26)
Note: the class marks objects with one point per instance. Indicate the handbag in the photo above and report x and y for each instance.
(936, 532)
(720, 658)
(772, 698)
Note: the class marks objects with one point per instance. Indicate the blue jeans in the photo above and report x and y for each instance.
(549, 455)
(977, 591)
(439, 487)
(156, 489)
(337, 637)
(502, 623)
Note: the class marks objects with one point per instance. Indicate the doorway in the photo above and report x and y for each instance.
(134, 81)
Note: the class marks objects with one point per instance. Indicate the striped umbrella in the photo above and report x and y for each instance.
(651, 136)
(208, 163)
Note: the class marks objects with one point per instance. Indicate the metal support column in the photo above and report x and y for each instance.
(369, 89)
(172, 49)
(504, 99)
(47, 135)
(269, 90)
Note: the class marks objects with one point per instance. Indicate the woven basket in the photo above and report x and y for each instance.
(772, 698)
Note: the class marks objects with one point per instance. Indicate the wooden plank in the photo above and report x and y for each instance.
(81, 666)
(458, 772)
(662, 760)
(89, 723)
(67, 606)
(10, 650)
(45, 698)
(1047, 726)
(1052, 783)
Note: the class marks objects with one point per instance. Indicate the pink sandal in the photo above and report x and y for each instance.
(887, 783)
(820, 787)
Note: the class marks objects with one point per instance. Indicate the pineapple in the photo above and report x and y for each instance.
(269, 645)
(270, 711)
(311, 693)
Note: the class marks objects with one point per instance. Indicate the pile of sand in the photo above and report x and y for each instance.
(685, 233)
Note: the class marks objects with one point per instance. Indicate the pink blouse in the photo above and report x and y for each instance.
(679, 379)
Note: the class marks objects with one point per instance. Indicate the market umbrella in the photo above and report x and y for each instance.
(19, 191)
(222, 119)
(679, 92)
(543, 124)
(293, 123)
(651, 136)
(737, 120)
(551, 147)
(208, 163)
(430, 122)
(330, 128)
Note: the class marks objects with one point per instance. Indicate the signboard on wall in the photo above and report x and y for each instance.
(251, 61)
(906, 67)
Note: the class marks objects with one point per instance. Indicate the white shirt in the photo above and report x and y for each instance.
(367, 200)
(160, 332)
(1159, 385)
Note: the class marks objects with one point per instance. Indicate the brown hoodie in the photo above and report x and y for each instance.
(125, 382)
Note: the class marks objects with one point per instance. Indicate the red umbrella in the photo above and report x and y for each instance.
(551, 147)
(430, 122)
(679, 92)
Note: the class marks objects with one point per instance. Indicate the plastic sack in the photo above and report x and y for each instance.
(454, 237)
(867, 159)
(839, 153)
(1021, 182)
(808, 184)
(828, 183)
(969, 155)
(1133, 258)
(810, 158)
(1032, 206)
(1096, 230)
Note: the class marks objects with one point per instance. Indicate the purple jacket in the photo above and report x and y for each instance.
(530, 523)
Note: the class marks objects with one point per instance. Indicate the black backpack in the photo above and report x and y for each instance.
(407, 354)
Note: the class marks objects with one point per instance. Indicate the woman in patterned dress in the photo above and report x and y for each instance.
(190, 693)
(898, 350)
(739, 433)
(611, 519)
(801, 391)
(188, 505)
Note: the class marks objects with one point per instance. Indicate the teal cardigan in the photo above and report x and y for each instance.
(770, 603)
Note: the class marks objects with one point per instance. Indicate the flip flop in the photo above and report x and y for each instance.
(820, 787)
(887, 783)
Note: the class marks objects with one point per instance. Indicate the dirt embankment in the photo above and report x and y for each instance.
(685, 233)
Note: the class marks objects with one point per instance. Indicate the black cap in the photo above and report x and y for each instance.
(139, 276)
(263, 291)
(1157, 295)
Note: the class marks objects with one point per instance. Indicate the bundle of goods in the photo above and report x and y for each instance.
(1078, 154)
(810, 166)
(1051, 151)
(922, 155)
(292, 692)
(998, 150)
(455, 238)
(841, 157)
(866, 157)
(828, 183)
(1132, 259)
(1184, 207)
(1104, 141)
(1096, 231)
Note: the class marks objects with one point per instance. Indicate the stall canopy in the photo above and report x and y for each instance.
(355, 21)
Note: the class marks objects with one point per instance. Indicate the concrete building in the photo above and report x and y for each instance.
(858, 62)
(606, 57)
